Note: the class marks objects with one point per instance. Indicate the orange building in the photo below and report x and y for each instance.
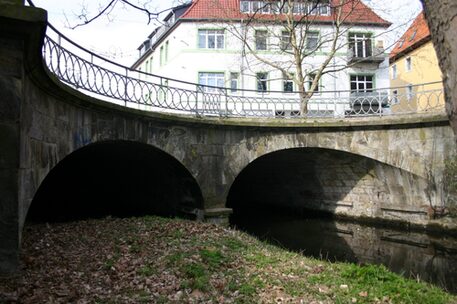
(415, 75)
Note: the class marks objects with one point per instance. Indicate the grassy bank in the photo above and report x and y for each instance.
(156, 260)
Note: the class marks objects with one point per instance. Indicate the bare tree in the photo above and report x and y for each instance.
(297, 38)
(86, 16)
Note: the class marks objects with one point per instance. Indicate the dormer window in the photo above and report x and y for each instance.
(413, 35)
(312, 7)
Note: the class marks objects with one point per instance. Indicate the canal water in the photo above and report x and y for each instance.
(415, 255)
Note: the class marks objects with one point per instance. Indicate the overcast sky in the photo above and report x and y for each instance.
(119, 35)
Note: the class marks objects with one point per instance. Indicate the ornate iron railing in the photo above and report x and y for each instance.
(107, 80)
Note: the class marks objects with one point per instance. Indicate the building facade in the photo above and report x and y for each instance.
(247, 47)
(415, 75)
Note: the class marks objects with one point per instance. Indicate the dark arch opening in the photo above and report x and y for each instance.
(118, 178)
(288, 197)
(298, 180)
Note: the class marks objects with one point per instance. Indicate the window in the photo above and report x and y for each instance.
(288, 83)
(324, 8)
(261, 40)
(211, 79)
(361, 83)
(285, 41)
(161, 56)
(163, 90)
(360, 44)
(310, 81)
(394, 71)
(244, 6)
(409, 92)
(408, 64)
(211, 39)
(166, 52)
(317, 7)
(395, 97)
(234, 82)
(413, 35)
(262, 79)
(312, 41)
(256, 6)
(266, 8)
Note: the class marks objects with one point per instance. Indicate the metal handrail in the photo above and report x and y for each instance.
(101, 77)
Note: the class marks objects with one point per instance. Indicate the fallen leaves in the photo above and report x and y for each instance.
(155, 260)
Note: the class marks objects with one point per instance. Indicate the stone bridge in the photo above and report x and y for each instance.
(61, 149)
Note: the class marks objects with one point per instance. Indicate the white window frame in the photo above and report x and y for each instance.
(309, 82)
(312, 35)
(204, 36)
(365, 39)
(234, 82)
(395, 99)
(214, 79)
(162, 61)
(409, 92)
(287, 81)
(166, 47)
(263, 35)
(261, 81)
(299, 8)
(394, 71)
(286, 38)
(408, 64)
(362, 79)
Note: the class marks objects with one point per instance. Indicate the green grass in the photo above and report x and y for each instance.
(147, 271)
(167, 256)
(371, 283)
(213, 258)
(197, 277)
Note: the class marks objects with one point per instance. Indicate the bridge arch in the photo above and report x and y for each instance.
(118, 178)
(330, 180)
(384, 145)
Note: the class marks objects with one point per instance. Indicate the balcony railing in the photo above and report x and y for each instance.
(109, 81)
(377, 56)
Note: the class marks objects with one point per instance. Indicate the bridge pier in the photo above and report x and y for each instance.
(20, 27)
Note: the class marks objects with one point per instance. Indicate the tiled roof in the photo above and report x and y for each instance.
(354, 12)
(416, 35)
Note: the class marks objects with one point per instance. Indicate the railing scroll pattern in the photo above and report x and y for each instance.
(107, 80)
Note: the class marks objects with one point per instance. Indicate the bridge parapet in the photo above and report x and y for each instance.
(94, 75)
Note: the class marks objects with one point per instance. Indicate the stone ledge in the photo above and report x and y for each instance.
(215, 212)
(218, 216)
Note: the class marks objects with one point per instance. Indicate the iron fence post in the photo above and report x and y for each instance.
(125, 88)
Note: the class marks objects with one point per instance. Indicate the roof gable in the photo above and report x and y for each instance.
(416, 35)
(354, 12)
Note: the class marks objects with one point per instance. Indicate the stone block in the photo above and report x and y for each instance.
(9, 225)
(10, 98)
(9, 143)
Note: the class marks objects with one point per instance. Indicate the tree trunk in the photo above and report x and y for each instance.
(442, 19)
(303, 104)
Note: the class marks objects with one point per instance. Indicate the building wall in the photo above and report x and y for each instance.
(184, 60)
(424, 69)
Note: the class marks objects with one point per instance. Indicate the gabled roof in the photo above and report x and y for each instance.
(354, 12)
(416, 35)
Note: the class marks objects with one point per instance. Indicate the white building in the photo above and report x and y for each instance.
(200, 43)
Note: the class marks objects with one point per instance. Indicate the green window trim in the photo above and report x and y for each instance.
(211, 29)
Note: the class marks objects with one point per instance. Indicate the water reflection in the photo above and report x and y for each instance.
(429, 258)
